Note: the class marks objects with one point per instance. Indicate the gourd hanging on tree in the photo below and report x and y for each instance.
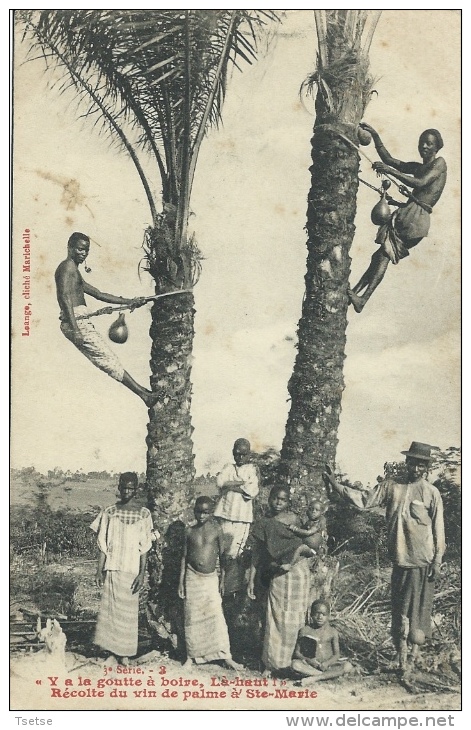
(363, 136)
(381, 212)
(118, 332)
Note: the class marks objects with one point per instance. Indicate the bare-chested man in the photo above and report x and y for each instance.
(71, 289)
(206, 634)
(411, 222)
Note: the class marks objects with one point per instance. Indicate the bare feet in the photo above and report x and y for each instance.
(402, 654)
(395, 661)
(124, 661)
(266, 672)
(357, 301)
(348, 668)
(306, 681)
(231, 664)
(415, 655)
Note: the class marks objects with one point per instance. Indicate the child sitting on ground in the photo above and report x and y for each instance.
(317, 655)
(206, 635)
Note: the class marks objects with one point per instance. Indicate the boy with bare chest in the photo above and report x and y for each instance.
(201, 588)
(317, 655)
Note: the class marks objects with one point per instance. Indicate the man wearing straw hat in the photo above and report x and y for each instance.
(75, 325)
(416, 543)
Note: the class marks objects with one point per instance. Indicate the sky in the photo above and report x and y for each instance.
(248, 204)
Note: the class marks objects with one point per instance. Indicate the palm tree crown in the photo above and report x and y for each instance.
(162, 73)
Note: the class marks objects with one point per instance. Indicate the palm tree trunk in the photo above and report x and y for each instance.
(170, 467)
(169, 444)
(317, 382)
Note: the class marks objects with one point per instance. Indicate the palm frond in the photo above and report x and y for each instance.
(344, 39)
(375, 16)
(162, 73)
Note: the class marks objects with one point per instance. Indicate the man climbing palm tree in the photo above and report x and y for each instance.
(410, 223)
(156, 80)
(75, 325)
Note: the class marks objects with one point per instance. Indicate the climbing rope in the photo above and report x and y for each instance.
(400, 188)
(108, 310)
(368, 185)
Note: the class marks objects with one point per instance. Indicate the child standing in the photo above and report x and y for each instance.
(316, 656)
(238, 485)
(124, 536)
(206, 634)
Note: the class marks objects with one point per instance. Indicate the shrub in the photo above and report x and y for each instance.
(54, 592)
(47, 535)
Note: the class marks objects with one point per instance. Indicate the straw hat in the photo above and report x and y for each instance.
(420, 451)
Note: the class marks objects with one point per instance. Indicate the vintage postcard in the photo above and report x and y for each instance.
(236, 360)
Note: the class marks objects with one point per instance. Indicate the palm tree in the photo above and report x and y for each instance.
(155, 80)
(343, 84)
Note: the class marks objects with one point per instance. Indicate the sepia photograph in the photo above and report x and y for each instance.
(251, 220)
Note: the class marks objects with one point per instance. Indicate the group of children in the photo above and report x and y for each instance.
(316, 654)
(124, 534)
